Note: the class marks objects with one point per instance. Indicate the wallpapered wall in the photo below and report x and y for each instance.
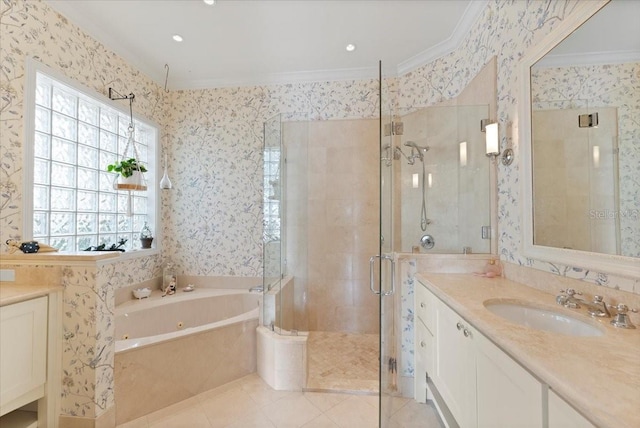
(212, 219)
(506, 29)
(610, 85)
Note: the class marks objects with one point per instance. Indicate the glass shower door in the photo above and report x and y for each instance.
(386, 271)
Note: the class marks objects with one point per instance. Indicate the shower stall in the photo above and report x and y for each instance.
(336, 193)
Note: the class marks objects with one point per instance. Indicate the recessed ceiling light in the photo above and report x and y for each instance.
(177, 37)
(351, 47)
(210, 2)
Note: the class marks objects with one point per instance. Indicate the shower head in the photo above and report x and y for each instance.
(421, 150)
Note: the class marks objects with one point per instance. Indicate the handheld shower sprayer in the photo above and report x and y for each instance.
(416, 151)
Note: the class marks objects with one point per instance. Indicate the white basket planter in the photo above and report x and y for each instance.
(135, 182)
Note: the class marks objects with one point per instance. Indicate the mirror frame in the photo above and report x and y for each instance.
(604, 263)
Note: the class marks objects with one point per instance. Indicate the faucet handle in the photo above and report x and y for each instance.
(598, 299)
(571, 292)
(621, 320)
(622, 308)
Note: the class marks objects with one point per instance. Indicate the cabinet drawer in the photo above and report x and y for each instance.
(425, 306)
(424, 360)
(23, 352)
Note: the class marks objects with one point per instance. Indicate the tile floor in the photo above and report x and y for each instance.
(344, 362)
(249, 402)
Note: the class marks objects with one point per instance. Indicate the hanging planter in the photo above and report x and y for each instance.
(129, 174)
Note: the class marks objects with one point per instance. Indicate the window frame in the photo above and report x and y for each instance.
(153, 213)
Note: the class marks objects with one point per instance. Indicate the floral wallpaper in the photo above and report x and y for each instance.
(32, 29)
(212, 217)
(610, 85)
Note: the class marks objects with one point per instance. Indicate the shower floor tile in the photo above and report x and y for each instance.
(342, 362)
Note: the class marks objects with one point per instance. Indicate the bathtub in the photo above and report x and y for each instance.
(174, 347)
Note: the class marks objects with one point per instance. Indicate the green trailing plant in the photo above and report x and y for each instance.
(126, 167)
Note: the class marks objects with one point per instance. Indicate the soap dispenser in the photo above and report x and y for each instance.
(493, 268)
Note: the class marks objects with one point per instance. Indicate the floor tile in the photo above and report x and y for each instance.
(321, 421)
(325, 400)
(416, 415)
(291, 411)
(255, 419)
(227, 408)
(339, 361)
(355, 412)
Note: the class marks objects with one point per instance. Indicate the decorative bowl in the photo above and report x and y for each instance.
(141, 293)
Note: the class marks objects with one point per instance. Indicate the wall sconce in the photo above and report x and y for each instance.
(491, 139)
(430, 180)
(596, 156)
(493, 143)
(463, 154)
(415, 178)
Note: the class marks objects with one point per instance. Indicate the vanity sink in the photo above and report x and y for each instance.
(541, 319)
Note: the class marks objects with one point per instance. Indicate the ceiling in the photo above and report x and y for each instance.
(610, 36)
(252, 42)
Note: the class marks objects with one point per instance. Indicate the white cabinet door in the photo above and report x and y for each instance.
(424, 359)
(562, 415)
(507, 395)
(23, 352)
(455, 372)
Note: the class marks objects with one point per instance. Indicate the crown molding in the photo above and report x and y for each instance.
(470, 16)
(588, 58)
(362, 73)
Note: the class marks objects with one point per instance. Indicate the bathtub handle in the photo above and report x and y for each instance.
(372, 262)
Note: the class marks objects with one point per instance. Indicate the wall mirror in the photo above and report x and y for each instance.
(581, 141)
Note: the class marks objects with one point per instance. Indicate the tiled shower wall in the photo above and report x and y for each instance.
(332, 222)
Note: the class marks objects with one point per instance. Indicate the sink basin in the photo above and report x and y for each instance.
(541, 319)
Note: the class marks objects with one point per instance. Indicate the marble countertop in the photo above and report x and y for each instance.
(11, 293)
(599, 376)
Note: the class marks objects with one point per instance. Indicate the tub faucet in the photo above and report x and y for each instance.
(256, 289)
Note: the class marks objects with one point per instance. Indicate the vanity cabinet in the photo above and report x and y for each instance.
(424, 343)
(23, 350)
(29, 362)
(480, 385)
(562, 415)
(454, 375)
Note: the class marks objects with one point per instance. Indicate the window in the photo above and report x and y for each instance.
(272, 188)
(74, 137)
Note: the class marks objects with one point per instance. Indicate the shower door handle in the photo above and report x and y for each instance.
(372, 281)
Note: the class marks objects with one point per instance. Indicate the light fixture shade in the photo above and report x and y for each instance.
(463, 153)
(493, 146)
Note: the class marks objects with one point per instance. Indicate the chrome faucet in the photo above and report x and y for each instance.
(256, 289)
(567, 300)
(598, 308)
